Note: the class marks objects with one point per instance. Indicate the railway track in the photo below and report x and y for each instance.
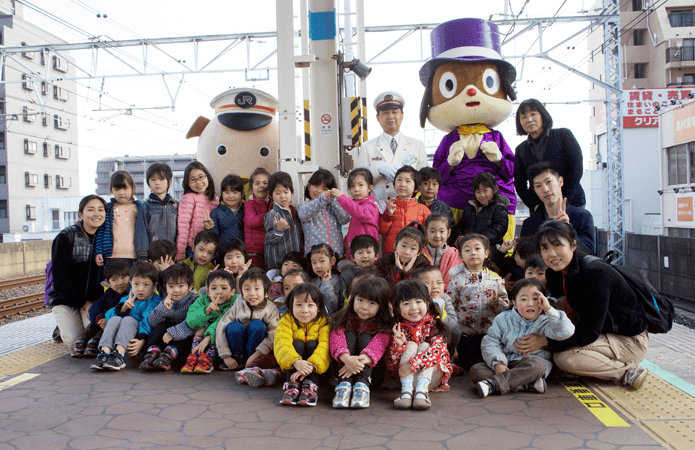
(25, 303)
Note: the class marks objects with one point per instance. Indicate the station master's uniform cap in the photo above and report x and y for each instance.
(244, 109)
(389, 100)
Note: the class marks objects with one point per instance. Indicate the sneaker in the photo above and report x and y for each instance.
(223, 367)
(486, 387)
(163, 362)
(56, 335)
(635, 377)
(254, 377)
(191, 362)
(78, 348)
(92, 348)
(342, 395)
(360, 396)
(204, 364)
(115, 361)
(309, 394)
(539, 386)
(240, 376)
(99, 363)
(270, 376)
(148, 362)
(291, 393)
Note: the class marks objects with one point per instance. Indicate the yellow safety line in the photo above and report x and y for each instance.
(593, 403)
(16, 380)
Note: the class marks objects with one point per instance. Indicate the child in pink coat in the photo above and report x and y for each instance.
(197, 202)
(363, 210)
(255, 210)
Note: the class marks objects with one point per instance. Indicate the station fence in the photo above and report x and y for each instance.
(24, 258)
(668, 262)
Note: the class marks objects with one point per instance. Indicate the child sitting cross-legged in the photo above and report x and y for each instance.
(127, 327)
(203, 316)
(505, 368)
(117, 276)
(168, 320)
(204, 251)
(361, 333)
(418, 352)
(301, 345)
(246, 331)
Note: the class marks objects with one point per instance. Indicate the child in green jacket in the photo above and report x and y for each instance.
(203, 316)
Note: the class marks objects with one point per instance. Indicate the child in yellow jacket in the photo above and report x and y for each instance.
(302, 344)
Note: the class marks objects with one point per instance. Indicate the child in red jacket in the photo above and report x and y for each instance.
(255, 210)
(404, 209)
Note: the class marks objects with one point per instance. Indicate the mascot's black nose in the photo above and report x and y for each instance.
(244, 121)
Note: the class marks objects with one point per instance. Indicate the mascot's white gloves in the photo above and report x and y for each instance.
(440, 303)
(388, 169)
(456, 152)
(491, 151)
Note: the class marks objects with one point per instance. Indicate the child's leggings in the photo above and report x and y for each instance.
(305, 350)
(521, 372)
(211, 351)
(355, 345)
(243, 341)
(119, 331)
(433, 373)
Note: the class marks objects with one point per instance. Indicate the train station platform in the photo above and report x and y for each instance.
(49, 400)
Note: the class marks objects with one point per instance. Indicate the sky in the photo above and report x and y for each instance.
(162, 130)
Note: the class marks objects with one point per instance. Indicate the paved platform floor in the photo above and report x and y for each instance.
(70, 406)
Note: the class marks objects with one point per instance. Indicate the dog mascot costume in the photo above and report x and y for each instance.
(468, 92)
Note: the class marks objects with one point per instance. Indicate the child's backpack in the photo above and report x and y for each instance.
(48, 287)
(658, 310)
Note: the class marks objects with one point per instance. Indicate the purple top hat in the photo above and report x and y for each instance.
(466, 40)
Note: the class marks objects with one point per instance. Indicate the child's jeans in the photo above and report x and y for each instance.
(434, 373)
(355, 345)
(521, 372)
(243, 342)
(469, 350)
(119, 331)
(305, 350)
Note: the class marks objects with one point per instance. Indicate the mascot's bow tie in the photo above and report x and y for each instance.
(473, 129)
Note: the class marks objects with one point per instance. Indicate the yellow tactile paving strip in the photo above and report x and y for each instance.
(27, 358)
(662, 410)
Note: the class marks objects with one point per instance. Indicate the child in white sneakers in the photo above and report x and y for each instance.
(506, 369)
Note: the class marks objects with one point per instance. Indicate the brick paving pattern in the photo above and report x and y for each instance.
(69, 406)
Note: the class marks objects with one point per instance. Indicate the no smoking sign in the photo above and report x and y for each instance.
(326, 125)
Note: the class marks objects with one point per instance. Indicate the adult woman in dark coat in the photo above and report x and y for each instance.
(75, 273)
(610, 338)
(555, 145)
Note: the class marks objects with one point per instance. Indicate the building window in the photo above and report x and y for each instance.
(62, 182)
(28, 117)
(71, 217)
(689, 79)
(637, 5)
(27, 55)
(2, 141)
(46, 180)
(60, 94)
(31, 212)
(681, 18)
(55, 215)
(31, 179)
(29, 147)
(640, 70)
(27, 84)
(46, 149)
(639, 36)
(45, 119)
(3, 209)
(60, 123)
(60, 64)
(681, 160)
(44, 88)
(3, 175)
(61, 153)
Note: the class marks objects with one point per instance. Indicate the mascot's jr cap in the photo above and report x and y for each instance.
(389, 100)
(244, 109)
(466, 40)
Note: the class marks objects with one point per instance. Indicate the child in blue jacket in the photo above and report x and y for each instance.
(127, 326)
(157, 217)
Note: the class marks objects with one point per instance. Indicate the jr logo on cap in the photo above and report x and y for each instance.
(245, 100)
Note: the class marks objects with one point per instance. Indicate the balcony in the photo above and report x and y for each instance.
(680, 54)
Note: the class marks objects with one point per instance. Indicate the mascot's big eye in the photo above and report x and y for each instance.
(491, 81)
(221, 150)
(447, 85)
(264, 151)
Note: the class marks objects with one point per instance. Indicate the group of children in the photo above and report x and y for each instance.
(369, 314)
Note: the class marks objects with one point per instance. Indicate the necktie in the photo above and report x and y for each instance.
(394, 144)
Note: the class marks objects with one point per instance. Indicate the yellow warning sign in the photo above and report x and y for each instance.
(16, 380)
(594, 404)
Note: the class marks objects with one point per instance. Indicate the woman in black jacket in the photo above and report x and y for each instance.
(75, 273)
(555, 145)
(610, 337)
